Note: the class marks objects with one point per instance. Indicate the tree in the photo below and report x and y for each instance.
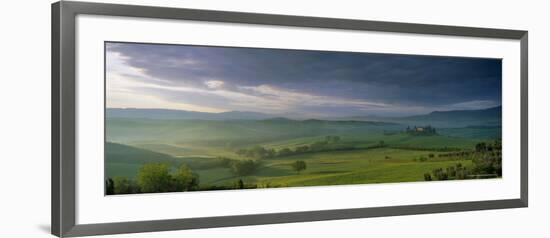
(243, 168)
(185, 179)
(123, 185)
(298, 166)
(224, 162)
(440, 174)
(451, 171)
(302, 149)
(481, 147)
(318, 145)
(241, 152)
(461, 172)
(258, 152)
(488, 159)
(271, 153)
(284, 152)
(155, 178)
(239, 184)
(427, 177)
(109, 186)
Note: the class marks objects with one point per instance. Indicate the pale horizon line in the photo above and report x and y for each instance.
(279, 115)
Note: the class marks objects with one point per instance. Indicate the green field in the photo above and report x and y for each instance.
(363, 153)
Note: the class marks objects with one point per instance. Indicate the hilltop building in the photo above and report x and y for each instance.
(422, 130)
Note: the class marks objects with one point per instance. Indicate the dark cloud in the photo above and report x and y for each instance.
(405, 80)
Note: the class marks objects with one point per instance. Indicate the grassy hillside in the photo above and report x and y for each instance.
(233, 132)
(200, 139)
(119, 153)
(474, 132)
(123, 160)
(353, 167)
(393, 163)
(363, 151)
(323, 168)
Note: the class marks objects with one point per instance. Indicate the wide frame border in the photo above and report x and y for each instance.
(63, 174)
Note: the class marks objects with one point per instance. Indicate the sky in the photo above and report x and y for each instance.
(296, 83)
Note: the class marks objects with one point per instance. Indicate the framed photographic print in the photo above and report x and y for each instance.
(167, 119)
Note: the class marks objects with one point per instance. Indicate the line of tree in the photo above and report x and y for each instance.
(486, 159)
(244, 167)
(257, 152)
(330, 143)
(242, 184)
(421, 131)
(462, 153)
(238, 167)
(161, 177)
(155, 178)
(457, 172)
(489, 160)
(441, 149)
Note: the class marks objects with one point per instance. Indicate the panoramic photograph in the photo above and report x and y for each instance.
(183, 118)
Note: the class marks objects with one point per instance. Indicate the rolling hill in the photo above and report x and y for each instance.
(119, 153)
(441, 119)
(124, 160)
(236, 132)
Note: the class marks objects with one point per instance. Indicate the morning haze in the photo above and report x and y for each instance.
(193, 118)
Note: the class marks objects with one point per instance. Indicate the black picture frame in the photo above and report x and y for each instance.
(63, 117)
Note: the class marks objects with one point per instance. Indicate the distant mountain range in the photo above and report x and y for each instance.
(489, 113)
(168, 114)
(455, 118)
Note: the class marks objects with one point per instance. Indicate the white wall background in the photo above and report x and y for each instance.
(25, 117)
